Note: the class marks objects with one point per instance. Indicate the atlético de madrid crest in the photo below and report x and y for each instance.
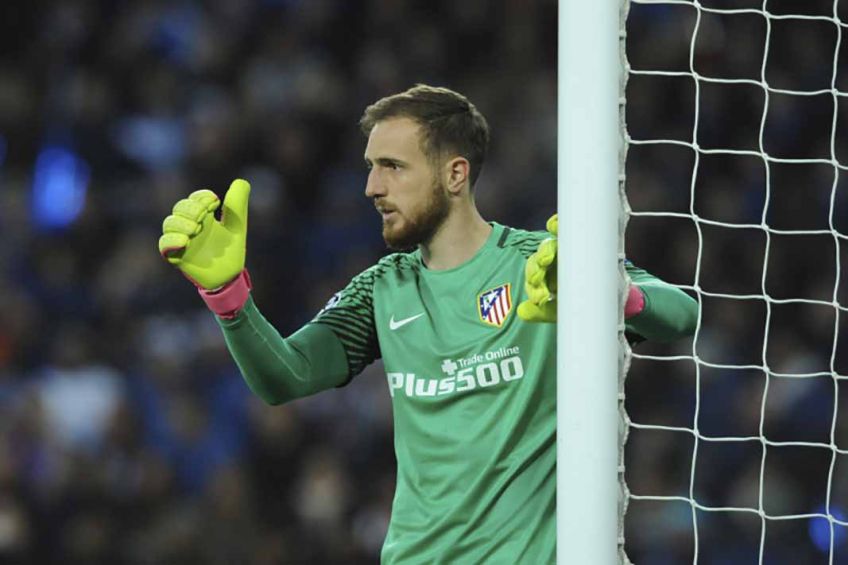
(494, 305)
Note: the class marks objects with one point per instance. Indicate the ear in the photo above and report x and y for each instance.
(457, 172)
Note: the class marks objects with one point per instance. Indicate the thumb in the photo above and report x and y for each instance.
(530, 312)
(234, 211)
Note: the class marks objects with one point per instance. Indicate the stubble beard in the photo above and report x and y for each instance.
(420, 226)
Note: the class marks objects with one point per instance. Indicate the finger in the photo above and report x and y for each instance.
(538, 294)
(553, 224)
(206, 198)
(190, 209)
(171, 246)
(547, 252)
(234, 216)
(533, 273)
(179, 224)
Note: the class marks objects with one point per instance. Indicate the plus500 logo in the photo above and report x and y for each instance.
(480, 376)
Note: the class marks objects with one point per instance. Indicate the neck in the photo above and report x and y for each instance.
(461, 235)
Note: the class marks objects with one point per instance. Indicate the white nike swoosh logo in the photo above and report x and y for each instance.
(395, 325)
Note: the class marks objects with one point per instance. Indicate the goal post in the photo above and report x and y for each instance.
(590, 240)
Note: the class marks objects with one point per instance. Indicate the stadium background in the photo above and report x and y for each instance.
(127, 435)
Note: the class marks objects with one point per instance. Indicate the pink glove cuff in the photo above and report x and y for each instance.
(228, 300)
(635, 302)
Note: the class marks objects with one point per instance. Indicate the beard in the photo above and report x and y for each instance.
(418, 226)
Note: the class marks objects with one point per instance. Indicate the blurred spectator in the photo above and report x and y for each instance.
(127, 434)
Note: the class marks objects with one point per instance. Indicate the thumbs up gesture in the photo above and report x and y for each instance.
(207, 251)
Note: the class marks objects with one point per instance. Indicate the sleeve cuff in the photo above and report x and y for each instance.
(635, 302)
(227, 301)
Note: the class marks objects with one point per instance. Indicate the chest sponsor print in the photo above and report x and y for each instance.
(490, 369)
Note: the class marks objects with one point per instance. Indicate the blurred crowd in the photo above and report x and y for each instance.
(127, 434)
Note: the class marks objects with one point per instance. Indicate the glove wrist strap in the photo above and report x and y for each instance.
(635, 302)
(228, 300)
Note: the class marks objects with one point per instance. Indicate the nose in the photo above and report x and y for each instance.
(373, 186)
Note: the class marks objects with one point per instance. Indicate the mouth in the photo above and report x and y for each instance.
(386, 213)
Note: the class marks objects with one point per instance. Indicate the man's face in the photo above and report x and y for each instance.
(408, 194)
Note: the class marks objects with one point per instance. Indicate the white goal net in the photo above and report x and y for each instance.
(737, 182)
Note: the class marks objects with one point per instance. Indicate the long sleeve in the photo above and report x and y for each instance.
(327, 352)
(277, 369)
(669, 313)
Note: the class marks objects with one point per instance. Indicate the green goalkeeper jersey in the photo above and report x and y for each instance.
(473, 391)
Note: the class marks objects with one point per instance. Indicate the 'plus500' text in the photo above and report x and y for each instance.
(470, 378)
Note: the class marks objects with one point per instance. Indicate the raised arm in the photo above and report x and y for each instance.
(279, 370)
(211, 254)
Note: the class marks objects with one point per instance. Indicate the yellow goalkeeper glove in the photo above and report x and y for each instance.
(209, 252)
(540, 280)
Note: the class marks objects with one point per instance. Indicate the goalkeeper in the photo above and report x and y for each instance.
(473, 385)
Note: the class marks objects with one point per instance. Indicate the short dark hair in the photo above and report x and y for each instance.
(449, 122)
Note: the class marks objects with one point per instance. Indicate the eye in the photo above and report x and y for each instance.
(393, 166)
